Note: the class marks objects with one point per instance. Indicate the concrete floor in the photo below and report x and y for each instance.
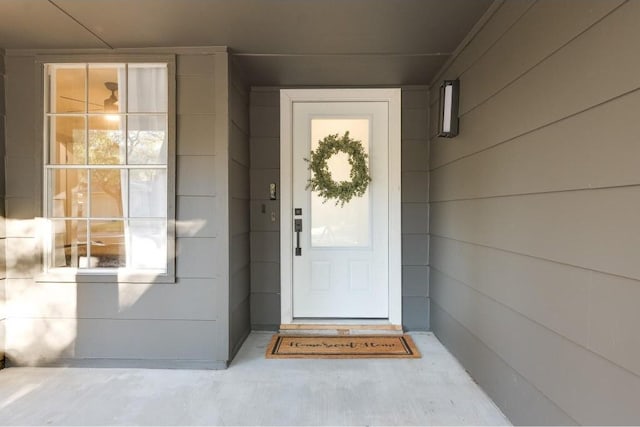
(254, 391)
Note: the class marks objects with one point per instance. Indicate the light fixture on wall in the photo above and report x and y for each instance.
(448, 119)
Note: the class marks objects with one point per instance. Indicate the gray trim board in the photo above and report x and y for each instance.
(3, 234)
(239, 217)
(131, 363)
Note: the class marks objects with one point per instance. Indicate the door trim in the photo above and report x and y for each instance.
(287, 99)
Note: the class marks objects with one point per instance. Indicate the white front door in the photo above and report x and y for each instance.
(344, 262)
(341, 267)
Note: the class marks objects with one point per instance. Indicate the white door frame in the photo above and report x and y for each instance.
(287, 99)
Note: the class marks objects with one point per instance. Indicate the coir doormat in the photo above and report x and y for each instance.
(341, 347)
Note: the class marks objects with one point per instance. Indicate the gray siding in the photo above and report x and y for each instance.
(534, 285)
(265, 232)
(415, 209)
(239, 262)
(2, 225)
(180, 324)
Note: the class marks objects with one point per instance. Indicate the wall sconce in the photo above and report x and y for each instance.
(448, 120)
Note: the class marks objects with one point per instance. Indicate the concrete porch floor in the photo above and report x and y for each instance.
(255, 391)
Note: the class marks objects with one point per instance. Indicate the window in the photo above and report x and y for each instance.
(106, 167)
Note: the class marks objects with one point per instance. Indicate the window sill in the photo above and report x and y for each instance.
(69, 275)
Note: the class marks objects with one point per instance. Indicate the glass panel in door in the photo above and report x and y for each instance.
(334, 225)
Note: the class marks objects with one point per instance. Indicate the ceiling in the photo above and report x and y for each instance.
(276, 42)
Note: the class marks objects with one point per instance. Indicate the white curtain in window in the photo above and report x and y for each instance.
(124, 185)
(146, 239)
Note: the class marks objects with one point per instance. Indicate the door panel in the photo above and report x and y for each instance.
(342, 270)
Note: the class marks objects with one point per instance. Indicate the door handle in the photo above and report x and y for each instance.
(297, 226)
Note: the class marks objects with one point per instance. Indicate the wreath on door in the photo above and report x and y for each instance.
(321, 180)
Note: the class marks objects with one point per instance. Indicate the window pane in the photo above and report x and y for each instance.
(67, 193)
(148, 193)
(69, 244)
(148, 244)
(107, 88)
(67, 86)
(67, 137)
(148, 88)
(348, 225)
(106, 140)
(108, 193)
(107, 244)
(147, 140)
(121, 213)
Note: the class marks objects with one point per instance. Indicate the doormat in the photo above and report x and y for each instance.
(341, 347)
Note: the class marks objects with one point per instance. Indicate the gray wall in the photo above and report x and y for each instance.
(239, 268)
(149, 324)
(535, 280)
(2, 226)
(265, 232)
(264, 151)
(415, 209)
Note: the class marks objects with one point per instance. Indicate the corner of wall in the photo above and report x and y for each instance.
(2, 227)
(238, 208)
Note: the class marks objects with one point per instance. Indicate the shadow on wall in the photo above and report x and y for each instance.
(38, 326)
(48, 323)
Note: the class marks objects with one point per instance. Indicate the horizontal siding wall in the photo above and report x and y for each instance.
(264, 152)
(239, 261)
(415, 209)
(534, 212)
(181, 324)
(265, 213)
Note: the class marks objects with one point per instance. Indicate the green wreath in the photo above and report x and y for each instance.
(321, 180)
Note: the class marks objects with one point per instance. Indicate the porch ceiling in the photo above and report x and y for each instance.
(277, 42)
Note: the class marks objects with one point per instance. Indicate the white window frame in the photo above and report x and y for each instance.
(102, 275)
